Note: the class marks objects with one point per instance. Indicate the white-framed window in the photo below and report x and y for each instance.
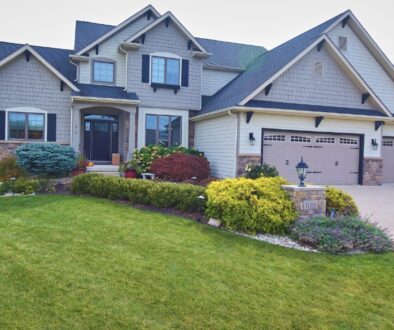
(165, 69)
(342, 43)
(318, 69)
(26, 124)
(163, 130)
(103, 71)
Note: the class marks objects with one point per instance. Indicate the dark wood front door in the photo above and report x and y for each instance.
(100, 139)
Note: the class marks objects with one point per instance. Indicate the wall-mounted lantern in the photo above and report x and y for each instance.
(302, 170)
(375, 144)
(252, 139)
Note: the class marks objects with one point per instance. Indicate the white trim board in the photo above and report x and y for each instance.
(42, 60)
(119, 27)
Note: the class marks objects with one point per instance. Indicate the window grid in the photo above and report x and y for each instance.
(165, 71)
(388, 143)
(26, 126)
(348, 141)
(163, 130)
(274, 138)
(104, 72)
(296, 138)
(325, 140)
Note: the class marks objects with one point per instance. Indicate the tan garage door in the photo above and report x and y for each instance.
(332, 159)
(388, 160)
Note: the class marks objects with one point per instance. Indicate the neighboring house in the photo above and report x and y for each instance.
(326, 95)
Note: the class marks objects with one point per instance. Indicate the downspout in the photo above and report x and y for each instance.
(127, 66)
(77, 77)
(236, 117)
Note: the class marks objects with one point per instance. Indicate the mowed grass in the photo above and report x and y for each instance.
(78, 262)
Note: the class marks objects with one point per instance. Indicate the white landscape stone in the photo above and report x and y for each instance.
(214, 222)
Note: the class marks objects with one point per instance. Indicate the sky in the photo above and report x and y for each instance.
(260, 22)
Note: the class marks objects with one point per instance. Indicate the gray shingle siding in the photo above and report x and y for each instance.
(31, 84)
(169, 40)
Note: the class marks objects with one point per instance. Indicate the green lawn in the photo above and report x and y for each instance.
(72, 262)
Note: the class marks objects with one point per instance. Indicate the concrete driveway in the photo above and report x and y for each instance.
(376, 203)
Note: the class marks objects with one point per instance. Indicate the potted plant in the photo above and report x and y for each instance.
(131, 169)
(81, 166)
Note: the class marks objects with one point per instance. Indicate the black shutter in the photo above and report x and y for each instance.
(185, 73)
(145, 68)
(51, 128)
(2, 125)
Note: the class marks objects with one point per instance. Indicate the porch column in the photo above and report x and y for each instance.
(76, 129)
(131, 137)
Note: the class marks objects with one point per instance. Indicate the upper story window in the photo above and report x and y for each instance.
(342, 42)
(104, 72)
(26, 126)
(318, 69)
(165, 71)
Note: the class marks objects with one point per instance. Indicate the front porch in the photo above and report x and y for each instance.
(101, 130)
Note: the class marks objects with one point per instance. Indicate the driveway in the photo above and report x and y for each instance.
(376, 203)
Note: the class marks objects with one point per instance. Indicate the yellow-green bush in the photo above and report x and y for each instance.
(254, 206)
(341, 202)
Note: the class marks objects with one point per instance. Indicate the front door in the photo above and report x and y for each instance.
(100, 139)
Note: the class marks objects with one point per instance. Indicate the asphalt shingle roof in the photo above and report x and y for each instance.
(263, 68)
(110, 92)
(87, 32)
(58, 58)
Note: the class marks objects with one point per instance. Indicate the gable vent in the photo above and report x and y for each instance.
(342, 42)
(318, 70)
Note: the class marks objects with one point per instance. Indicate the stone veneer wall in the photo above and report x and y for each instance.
(243, 160)
(373, 172)
(8, 148)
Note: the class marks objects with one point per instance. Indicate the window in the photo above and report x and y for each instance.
(388, 143)
(274, 138)
(103, 72)
(163, 130)
(318, 70)
(295, 138)
(165, 71)
(348, 141)
(26, 126)
(325, 140)
(342, 42)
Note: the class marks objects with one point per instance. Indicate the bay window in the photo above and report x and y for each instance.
(165, 71)
(163, 130)
(26, 126)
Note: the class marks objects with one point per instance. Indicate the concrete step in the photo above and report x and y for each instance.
(109, 170)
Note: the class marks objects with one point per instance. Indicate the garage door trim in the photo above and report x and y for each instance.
(360, 136)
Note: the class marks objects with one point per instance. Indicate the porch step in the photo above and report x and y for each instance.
(109, 170)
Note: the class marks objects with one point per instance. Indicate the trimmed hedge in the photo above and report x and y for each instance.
(25, 186)
(343, 204)
(181, 167)
(9, 168)
(159, 194)
(253, 206)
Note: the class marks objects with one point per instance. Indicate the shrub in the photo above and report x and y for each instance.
(146, 155)
(254, 171)
(160, 194)
(341, 202)
(341, 235)
(20, 186)
(9, 168)
(48, 159)
(180, 167)
(255, 206)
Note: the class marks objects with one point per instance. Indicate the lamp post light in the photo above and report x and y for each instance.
(12, 185)
(302, 169)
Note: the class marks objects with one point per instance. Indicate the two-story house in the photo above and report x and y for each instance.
(326, 95)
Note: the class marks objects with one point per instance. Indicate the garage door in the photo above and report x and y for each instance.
(388, 160)
(332, 159)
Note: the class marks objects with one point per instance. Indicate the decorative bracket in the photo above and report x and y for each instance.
(318, 121)
(249, 116)
(27, 55)
(167, 21)
(344, 22)
(189, 45)
(268, 89)
(61, 85)
(365, 97)
(143, 38)
(148, 15)
(320, 45)
(378, 124)
(97, 49)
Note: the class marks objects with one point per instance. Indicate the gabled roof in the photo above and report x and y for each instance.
(264, 67)
(56, 60)
(230, 55)
(88, 32)
(105, 35)
(168, 16)
(91, 92)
